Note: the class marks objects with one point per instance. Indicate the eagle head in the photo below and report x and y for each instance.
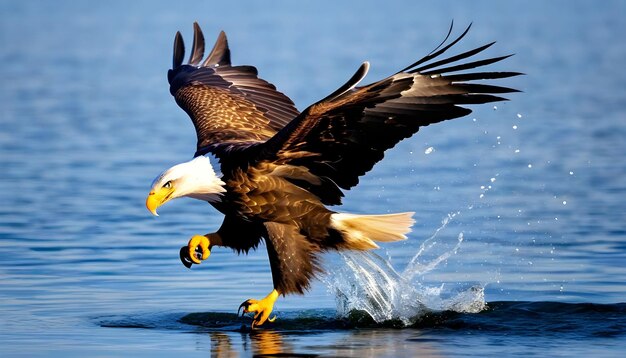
(195, 179)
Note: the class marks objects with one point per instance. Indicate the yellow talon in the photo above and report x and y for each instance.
(262, 308)
(202, 242)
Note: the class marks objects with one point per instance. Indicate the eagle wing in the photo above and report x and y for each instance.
(344, 135)
(230, 106)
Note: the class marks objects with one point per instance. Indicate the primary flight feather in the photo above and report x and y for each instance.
(281, 169)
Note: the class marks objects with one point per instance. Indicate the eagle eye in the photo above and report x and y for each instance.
(168, 184)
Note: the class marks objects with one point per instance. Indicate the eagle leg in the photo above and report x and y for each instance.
(262, 308)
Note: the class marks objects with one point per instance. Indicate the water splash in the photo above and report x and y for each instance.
(368, 282)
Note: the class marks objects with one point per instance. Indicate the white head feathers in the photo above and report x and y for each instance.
(195, 179)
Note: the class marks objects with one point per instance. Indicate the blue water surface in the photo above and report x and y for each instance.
(536, 186)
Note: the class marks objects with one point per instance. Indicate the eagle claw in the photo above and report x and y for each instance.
(262, 309)
(186, 259)
(197, 250)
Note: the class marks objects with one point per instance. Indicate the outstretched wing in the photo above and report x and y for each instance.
(228, 105)
(342, 136)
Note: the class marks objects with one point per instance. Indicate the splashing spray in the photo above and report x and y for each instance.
(368, 282)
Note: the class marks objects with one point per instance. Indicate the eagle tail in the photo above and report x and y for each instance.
(360, 231)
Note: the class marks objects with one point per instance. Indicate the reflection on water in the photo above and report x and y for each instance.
(374, 343)
(329, 341)
(294, 331)
(264, 343)
(268, 343)
(221, 345)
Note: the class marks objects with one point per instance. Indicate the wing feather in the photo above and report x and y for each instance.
(464, 66)
(455, 58)
(436, 52)
(229, 106)
(220, 54)
(179, 50)
(342, 136)
(197, 52)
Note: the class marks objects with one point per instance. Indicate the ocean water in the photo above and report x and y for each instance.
(520, 242)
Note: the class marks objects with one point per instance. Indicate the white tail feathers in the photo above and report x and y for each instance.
(360, 231)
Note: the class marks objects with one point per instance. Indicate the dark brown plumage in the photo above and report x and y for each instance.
(281, 167)
(228, 105)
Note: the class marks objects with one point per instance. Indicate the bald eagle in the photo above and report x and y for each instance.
(280, 169)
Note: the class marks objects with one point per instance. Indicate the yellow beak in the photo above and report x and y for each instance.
(157, 198)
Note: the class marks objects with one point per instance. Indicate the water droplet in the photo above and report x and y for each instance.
(514, 127)
(473, 119)
(516, 150)
(571, 173)
(530, 165)
(495, 108)
(492, 179)
(564, 202)
(482, 187)
(482, 196)
(519, 115)
(429, 150)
